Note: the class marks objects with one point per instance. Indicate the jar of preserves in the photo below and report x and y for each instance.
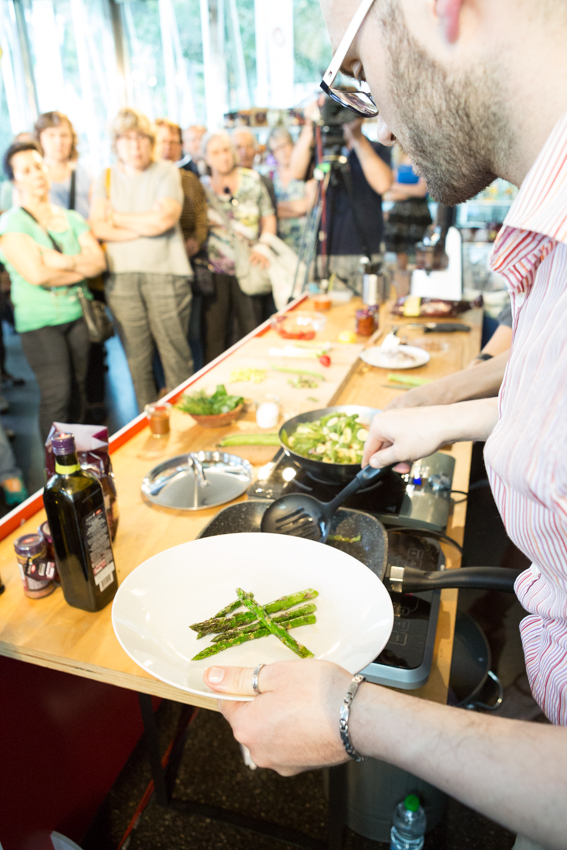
(32, 561)
(365, 322)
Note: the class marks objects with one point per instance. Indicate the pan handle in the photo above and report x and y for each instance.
(410, 580)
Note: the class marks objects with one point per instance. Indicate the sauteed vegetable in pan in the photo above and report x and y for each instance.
(335, 438)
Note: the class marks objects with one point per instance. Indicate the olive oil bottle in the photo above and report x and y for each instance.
(74, 503)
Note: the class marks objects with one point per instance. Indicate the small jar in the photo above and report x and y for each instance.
(365, 322)
(32, 561)
(158, 418)
(51, 568)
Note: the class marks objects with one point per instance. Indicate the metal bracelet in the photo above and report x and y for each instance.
(345, 712)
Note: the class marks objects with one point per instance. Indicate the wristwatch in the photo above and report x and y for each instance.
(345, 713)
(484, 355)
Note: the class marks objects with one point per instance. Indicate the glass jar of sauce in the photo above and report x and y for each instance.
(32, 561)
(365, 322)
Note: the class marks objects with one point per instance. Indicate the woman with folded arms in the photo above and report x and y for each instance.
(136, 209)
(238, 207)
(48, 251)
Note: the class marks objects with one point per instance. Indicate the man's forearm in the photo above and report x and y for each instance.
(379, 175)
(484, 381)
(302, 153)
(511, 771)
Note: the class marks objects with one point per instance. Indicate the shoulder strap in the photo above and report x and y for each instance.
(107, 177)
(47, 233)
(72, 190)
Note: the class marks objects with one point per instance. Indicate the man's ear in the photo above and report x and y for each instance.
(448, 13)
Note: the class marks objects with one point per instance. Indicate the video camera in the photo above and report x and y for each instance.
(333, 118)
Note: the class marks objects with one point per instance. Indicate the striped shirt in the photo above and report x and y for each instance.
(526, 455)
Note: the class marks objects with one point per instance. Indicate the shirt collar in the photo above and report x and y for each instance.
(538, 215)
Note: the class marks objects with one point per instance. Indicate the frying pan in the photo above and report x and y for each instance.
(336, 473)
(371, 549)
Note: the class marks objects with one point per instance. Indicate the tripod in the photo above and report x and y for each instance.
(333, 171)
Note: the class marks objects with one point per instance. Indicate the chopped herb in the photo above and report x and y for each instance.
(252, 376)
(201, 404)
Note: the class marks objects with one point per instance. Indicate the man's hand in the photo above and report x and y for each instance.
(293, 725)
(400, 435)
(352, 131)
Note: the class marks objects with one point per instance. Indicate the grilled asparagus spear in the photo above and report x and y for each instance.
(222, 624)
(276, 629)
(246, 636)
(302, 611)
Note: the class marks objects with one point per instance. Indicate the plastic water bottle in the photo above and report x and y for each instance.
(408, 830)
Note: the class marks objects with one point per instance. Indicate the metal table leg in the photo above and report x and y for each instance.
(152, 745)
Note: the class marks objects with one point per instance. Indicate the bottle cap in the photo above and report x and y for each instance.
(29, 545)
(63, 444)
(412, 803)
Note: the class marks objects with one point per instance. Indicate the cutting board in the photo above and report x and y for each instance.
(276, 385)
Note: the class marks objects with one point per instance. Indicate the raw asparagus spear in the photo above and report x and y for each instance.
(276, 629)
(246, 636)
(282, 604)
(302, 611)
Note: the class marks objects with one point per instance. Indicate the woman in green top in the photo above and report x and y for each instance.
(44, 280)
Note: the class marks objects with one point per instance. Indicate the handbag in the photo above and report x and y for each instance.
(252, 279)
(285, 271)
(98, 322)
(203, 282)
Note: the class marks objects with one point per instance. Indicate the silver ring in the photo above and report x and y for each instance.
(255, 675)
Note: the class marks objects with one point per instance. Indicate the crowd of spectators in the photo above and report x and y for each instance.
(165, 235)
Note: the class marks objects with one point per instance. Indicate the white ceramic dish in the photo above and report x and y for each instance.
(376, 356)
(157, 602)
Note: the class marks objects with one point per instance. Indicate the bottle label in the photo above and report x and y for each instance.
(66, 470)
(99, 547)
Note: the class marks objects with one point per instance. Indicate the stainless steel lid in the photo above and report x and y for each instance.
(196, 481)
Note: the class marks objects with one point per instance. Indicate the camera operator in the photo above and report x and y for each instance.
(362, 174)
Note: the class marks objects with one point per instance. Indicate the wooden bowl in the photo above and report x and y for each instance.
(217, 420)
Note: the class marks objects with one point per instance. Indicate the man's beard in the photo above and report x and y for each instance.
(452, 127)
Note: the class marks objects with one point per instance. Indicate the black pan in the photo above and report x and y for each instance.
(371, 550)
(335, 473)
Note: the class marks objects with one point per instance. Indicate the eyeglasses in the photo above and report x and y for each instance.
(360, 102)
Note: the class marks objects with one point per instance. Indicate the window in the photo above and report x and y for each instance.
(74, 67)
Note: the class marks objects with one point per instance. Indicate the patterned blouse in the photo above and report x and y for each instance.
(246, 209)
(290, 229)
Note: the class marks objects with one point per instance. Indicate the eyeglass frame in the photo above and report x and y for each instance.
(334, 68)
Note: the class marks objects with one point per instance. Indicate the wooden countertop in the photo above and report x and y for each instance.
(49, 633)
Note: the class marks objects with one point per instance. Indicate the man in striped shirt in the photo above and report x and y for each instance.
(472, 89)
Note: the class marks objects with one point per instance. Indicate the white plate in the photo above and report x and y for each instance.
(157, 602)
(376, 356)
